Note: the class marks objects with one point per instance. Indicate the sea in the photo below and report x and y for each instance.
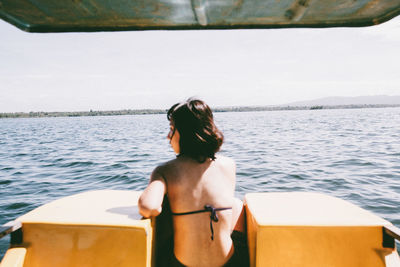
(353, 154)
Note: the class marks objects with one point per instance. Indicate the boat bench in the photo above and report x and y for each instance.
(104, 228)
(311, 229)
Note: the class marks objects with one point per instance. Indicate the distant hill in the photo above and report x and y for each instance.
(336, 102)
(358, 100)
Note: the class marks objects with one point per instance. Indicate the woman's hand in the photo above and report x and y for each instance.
(150, 201)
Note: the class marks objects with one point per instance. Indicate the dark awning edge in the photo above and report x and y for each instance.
(48, 28)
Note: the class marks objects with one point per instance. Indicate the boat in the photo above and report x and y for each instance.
(103, 15)
(104, 228)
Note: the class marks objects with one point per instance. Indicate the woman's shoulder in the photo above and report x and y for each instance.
(226, 163)
(225, 160)
(175, 166)
(167, 165)
(169, 168)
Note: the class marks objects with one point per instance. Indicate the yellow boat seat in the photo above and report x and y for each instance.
(311, 229)
(95, 228)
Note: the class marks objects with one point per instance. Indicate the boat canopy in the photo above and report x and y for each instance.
(119, 15)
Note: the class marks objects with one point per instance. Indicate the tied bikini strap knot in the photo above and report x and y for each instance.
(213, 216)
(213, 211)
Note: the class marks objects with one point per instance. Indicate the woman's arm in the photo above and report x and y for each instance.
(150, 201)
(238, 216)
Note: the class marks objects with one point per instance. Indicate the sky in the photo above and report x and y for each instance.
(155, 69)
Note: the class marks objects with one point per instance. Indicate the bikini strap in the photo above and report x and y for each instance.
(188, 213)
(213, 215)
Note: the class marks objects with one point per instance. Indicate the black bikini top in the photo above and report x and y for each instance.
(207, 208)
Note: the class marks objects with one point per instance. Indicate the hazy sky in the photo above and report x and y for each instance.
(155, 69)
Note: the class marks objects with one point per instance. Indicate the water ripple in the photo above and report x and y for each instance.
(5, 182)
(77, 164)
(17, 205)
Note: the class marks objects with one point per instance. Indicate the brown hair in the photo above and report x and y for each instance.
(199, 137)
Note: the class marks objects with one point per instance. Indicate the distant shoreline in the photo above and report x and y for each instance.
(42, 114)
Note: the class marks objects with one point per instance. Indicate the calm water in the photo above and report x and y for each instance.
(351, 154)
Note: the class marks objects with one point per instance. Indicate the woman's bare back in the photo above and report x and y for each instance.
(190, 186)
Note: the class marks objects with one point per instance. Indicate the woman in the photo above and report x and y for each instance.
(207, 220)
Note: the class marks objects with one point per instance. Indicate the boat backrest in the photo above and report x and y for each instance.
(310, 229)
(97, 228)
